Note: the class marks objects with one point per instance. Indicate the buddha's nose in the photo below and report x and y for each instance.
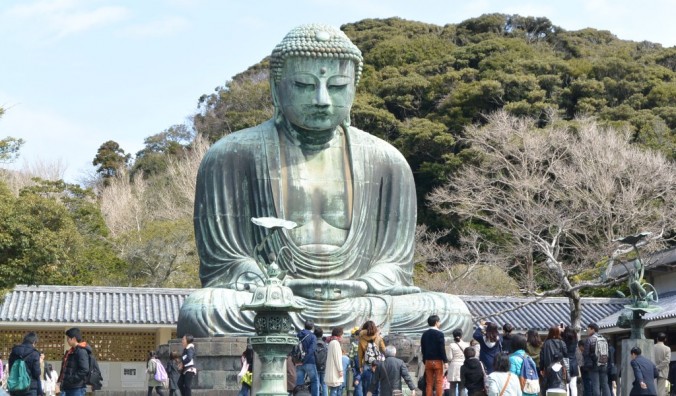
(322, 97)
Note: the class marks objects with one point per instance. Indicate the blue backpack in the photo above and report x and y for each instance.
(19, 380)
(529, 376)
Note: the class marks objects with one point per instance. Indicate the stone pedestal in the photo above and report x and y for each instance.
(627, 373)
(218, 361)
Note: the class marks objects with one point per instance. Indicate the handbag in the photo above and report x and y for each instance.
(483, 369)
(422, 383)
(247, 378)
(243, 371)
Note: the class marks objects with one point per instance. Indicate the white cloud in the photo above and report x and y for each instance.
(56, 19)
(157, 28)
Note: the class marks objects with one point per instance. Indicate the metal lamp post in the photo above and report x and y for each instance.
(272, 303)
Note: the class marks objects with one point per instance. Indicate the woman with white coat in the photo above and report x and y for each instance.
(333, 374)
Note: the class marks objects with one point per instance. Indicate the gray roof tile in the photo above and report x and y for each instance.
(538, 314)
(96, 305)
(148, 306)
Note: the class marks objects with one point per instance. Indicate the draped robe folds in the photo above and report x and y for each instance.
(240, 178)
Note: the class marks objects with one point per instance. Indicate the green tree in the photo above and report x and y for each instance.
(241, 103)
(92, 253)
(9, 146)
(38, 240)
(160, 148)
(110, 158)
(9, 149)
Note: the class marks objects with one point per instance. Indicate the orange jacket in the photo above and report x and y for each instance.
(364, 339)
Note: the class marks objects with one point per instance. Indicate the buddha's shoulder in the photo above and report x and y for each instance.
(245, 137)
(374, 144)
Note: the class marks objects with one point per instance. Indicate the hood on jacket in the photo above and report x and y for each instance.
(24, 349)
(363, 334)
(85, 346)
(473, 363)
(304, 333)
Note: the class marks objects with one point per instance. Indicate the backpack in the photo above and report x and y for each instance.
(94, 377)
(298, 352)
(372, 353)
(19, 380)
(302, 390)
(529, 376)
(321, 352)
(556, 375)
(600, 355)
(160, 372)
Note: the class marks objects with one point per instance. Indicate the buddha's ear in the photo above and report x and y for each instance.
(278, 117)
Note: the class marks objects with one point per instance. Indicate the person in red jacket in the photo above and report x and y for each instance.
(75, 366)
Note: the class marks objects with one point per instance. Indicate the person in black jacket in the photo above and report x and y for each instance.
(389, 373)
(553, 351)
(433, 347)
(173, 372)
(472, 374)
(507, 337)
(75, 365)
(31, 357)
(645, 373)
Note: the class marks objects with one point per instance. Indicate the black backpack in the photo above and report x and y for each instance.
(302, 390)
(321, 352)
(94, 377)
(298, 352)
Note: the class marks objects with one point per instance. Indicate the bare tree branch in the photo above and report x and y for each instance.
(561, 196)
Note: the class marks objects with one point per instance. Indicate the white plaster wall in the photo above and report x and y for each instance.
(664, 282)
(119, 376)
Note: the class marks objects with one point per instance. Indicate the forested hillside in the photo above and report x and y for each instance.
(423, 85)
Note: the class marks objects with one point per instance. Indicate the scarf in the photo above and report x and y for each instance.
(65, 359)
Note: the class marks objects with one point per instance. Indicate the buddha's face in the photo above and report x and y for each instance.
(316, 94)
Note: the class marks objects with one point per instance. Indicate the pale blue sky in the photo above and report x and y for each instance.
(76, 73)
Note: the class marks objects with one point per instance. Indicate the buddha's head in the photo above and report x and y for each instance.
(314, 73)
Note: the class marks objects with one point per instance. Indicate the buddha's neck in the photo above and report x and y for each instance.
(307, 139)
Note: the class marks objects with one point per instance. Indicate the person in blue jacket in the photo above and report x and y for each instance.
(490, 343)
(308, 366)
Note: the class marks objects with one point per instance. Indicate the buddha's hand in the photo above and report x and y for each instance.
(401, 290)
(322, 289)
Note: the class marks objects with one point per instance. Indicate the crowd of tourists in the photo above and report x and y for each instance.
(27, 373)
(493, 363)
(508, 364)
(323, 365)
(177, 375)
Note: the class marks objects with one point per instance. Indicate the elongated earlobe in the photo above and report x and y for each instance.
(278, 116)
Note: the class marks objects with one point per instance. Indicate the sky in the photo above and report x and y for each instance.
(77, 73)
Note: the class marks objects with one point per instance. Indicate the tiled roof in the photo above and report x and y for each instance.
(661, 259)
(94, 305)
(154, 306)
(539, 314)
(666, 301)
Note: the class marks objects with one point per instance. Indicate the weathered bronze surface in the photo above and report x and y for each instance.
(352, 195)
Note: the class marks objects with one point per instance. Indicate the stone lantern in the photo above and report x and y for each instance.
(272, 303)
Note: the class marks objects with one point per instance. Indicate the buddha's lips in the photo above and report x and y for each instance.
(320, 114)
